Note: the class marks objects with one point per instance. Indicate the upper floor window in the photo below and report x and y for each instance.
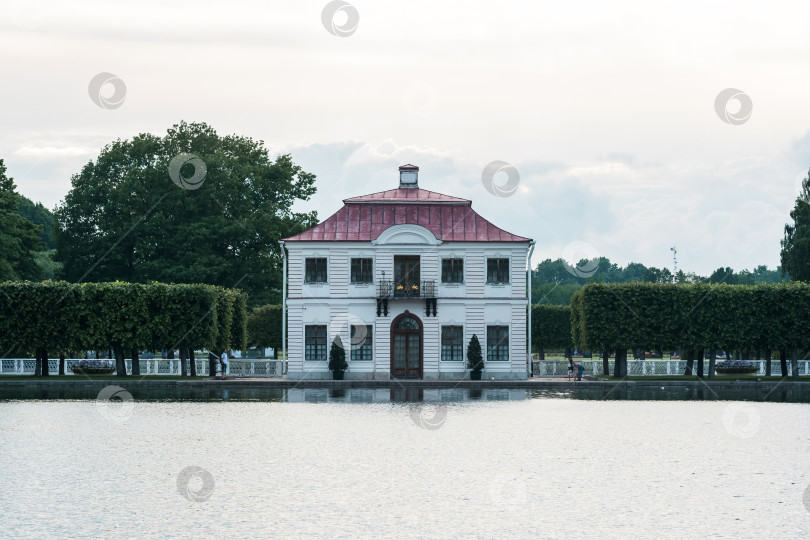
(315, 342)
(452, 270)
(361, 342)
(497, 270)
(362, 270)
(497, 343)
(315, 270)
(452, 343)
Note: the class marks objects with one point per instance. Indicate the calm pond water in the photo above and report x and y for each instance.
(511, 463)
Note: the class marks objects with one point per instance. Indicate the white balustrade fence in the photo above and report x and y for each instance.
(242, 367)
(559, 368)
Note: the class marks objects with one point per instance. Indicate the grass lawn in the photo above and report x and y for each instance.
(101, 378)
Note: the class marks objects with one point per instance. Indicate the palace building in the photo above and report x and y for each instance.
(406, 277)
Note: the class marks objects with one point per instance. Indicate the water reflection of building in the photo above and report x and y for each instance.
(405, 277)
(403, 394)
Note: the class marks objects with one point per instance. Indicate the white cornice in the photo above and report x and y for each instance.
(406, 234)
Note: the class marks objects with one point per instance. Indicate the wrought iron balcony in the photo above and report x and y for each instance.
(405, 289)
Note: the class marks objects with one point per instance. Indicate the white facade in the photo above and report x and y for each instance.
(338, 301)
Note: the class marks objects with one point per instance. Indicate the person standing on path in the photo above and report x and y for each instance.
(224, 361)
(570, 368)
(580, 370)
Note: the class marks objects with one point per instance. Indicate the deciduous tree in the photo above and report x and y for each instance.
(126, 219)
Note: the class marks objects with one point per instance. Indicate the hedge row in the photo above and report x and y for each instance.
(58, 316)
(264, 327)
(655, 316)
(551, 327)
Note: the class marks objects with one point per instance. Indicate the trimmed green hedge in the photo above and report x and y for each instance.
(698, 316)
(551, 327)
(264, 327)
(59, 316)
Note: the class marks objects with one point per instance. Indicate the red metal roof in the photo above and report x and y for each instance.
(363, 219)
(407, 195)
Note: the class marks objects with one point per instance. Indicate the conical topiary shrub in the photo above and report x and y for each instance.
(475, 361)
(337, 357)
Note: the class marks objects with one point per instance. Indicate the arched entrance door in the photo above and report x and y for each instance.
(406, 347)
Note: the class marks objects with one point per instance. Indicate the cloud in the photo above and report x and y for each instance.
(48, 152)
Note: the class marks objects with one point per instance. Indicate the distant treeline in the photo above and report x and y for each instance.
(554, 282)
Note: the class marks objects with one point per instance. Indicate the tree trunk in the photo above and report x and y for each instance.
(606, 362)
(120, 361)
(37, 362)
(700, 363)
(690, 361)
(794, 364)
(783, 363)
(541, 355)
(212, 364)
(192, 363)
(45, 368)
(183, 367)
(61, 362)
(620, 365)
(712, 354)
(136, 362)
(768, 364)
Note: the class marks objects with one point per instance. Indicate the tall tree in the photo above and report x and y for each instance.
(724, 275)
(19, 237)
(655, 275)
(126, 218)
(39, 215)
(795, 253)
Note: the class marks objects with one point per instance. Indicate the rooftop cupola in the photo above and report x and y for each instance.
(409, 176)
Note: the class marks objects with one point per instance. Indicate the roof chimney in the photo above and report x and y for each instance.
(408, 176)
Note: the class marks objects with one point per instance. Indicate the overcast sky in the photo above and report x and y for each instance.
(606, 110)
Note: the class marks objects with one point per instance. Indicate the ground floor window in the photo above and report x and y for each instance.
(361, 342)
(452, 343)
(497, 343)
(315, 342)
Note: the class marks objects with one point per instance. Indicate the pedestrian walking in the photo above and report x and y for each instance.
(580, 370)
(223, 360)
(570, 369)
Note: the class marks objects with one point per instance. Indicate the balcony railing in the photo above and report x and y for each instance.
(405, 289)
